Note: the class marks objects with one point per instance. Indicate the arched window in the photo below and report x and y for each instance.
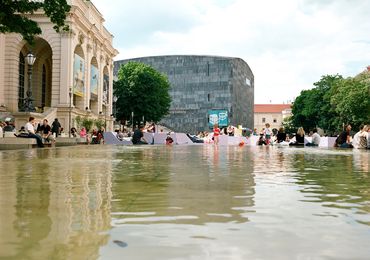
(43, 85)
(21, 81)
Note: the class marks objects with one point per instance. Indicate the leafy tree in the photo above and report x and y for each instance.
(288, 125)
(13, 16)
(351, 99)
(142, 90)
(313, 108)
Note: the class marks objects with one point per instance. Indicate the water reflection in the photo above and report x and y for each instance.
(54, 204)
(181, 202)
(189, 185)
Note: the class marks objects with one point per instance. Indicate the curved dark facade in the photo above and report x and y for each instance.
(200, 84)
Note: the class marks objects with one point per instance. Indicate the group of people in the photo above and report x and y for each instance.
(360, 140)
(42, 132)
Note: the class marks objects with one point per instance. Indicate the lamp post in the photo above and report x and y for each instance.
(70, 111)
(28, 101)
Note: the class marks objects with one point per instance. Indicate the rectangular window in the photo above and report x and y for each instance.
(263, 120)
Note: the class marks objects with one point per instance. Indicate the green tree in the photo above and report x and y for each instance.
(351, 99)
(313, 108)
(13, 16)
(142, 90)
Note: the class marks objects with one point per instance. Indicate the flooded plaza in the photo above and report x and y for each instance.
(184, 202)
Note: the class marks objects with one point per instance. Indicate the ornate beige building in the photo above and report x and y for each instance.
(72, 74)
(274, 114)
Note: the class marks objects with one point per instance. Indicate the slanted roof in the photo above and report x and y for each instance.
(271, 108)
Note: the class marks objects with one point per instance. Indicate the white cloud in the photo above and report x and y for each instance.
(288, 44)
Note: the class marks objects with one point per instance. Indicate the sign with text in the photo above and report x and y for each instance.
(219, 117)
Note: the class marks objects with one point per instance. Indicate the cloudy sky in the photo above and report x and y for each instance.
(289, 44)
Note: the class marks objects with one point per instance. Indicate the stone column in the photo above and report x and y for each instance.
(2, 72)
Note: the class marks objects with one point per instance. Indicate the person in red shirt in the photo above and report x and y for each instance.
(216, 133)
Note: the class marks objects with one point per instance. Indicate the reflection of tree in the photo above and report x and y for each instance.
(336, 183)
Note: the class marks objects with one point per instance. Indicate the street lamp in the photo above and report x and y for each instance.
(28, 105)
(70, 111)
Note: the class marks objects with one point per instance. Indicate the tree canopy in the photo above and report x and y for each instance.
(143, 90)
(333, 102)
(13, 16)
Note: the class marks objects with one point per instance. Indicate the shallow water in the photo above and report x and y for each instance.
(184, 202)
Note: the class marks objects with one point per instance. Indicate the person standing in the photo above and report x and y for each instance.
(216, 133)
(267, 132)
(56, 127)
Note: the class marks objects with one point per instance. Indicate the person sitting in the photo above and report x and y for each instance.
(315, 138)
(360, 139)
(344, 139)
(299, 138)
(83, 132)
(73, 132)
(261, 140)
(169, 139)
(45, 132)
(281, 136)
(30, 130)
(138, 136)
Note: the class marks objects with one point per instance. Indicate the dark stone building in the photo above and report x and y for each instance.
(201, 85)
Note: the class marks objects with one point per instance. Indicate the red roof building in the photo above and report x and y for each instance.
(273, 114)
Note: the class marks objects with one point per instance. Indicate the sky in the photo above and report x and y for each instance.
(288, 44)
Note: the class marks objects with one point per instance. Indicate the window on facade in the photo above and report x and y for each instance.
(209, 97)
(43, 93)
(21, 81)
(275, 120)
(207, 69)
(263, 120)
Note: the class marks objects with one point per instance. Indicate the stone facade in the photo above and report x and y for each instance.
(203, 83)
(53, 75)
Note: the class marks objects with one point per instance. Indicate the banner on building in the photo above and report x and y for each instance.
(78, 76)
(219, 117)
(106, 89)
(94, 81)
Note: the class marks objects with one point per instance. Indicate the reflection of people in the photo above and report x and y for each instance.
(138, 136)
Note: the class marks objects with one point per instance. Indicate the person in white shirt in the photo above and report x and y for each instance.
(315, 139)
(29, 127)
(360, 141)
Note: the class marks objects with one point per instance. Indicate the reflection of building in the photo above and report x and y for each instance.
(274, 114)
(203, 83)
(64, 61)
(60, 214)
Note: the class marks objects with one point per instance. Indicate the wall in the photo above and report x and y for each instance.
(202, 83)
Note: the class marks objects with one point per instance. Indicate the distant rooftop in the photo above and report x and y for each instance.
(271, 108)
